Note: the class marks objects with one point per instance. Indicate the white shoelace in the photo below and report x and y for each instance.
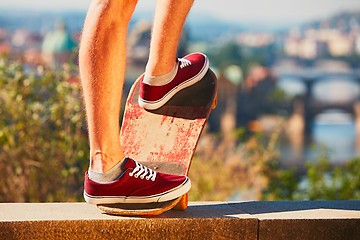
(143, 171)
(184, 62)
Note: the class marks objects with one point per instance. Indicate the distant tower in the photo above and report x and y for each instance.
(57, 46)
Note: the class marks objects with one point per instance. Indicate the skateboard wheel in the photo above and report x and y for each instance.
(214, 103)
(183, 203)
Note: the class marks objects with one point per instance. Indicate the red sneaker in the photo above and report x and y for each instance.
(191, 69)
(137, 184)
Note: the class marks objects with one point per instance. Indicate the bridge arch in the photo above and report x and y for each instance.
(309, 84)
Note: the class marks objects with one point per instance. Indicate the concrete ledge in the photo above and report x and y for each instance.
(208, 220)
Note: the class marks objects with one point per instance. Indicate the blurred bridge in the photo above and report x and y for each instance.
(308, 105)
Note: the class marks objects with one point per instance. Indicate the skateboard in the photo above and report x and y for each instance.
(165, 139)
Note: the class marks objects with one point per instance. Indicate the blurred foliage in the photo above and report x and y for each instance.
(322, 180)
(226, 55)
(224, 168)
(251, 169)
(232, 53)
(42, 135)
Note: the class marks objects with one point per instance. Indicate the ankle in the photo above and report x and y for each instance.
(101, 162)
(159, 68)
(160, 79)
(109, 175)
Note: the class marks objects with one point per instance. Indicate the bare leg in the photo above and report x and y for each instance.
(169, 19)
(102, 67)
(102, 59)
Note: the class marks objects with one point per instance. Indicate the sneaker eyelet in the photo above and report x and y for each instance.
(141, 177)
(147, 178)
(131, 174)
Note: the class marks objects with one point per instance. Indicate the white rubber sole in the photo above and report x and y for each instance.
(152, 105)
(167, 196)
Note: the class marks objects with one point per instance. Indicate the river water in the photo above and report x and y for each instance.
(339, 139)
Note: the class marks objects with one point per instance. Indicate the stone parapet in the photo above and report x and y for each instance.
(202, 220)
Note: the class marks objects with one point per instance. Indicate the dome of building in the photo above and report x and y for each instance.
(58, 41)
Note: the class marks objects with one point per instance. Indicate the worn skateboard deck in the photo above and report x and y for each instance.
(165, 139)
(136, 209)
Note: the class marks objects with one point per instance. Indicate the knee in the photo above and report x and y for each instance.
(122, 8)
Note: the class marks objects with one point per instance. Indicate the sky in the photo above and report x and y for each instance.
(237, 11)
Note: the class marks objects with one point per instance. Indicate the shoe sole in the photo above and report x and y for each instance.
(153, 105)
(163, 197)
